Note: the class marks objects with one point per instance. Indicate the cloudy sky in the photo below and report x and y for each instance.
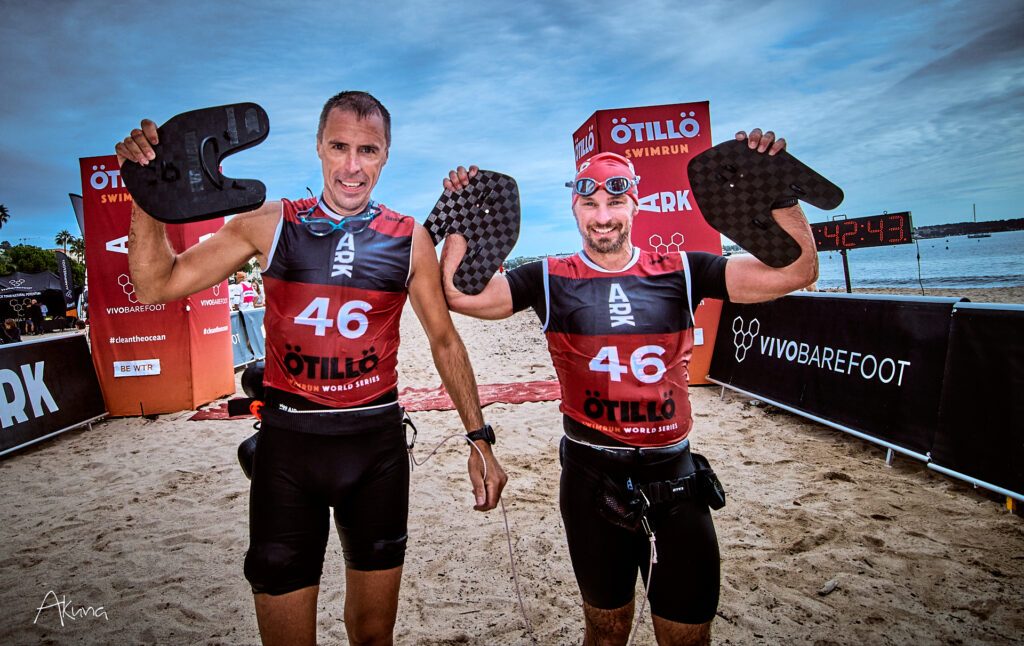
(907, 105)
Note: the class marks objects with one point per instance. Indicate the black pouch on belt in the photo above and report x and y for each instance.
(620, 505)
(709, 488)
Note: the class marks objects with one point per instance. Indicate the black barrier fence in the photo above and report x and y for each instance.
(47, 386)
(247, 339)
(882, 368)
(981, 421)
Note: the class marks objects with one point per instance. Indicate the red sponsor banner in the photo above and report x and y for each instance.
(660, 140)
(157, 358)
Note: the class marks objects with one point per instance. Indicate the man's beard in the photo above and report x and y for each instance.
(606, 245)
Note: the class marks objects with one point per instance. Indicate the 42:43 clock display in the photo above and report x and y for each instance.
(870, 231)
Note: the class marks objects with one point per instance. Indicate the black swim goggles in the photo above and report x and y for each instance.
(618, 185)
(325, 226)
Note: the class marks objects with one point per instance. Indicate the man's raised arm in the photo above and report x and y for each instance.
(494, 302)
(749, 280)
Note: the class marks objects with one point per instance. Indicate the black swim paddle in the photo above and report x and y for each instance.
(736, 188)
(184, 183)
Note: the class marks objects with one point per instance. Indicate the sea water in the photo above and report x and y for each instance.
(956, 261)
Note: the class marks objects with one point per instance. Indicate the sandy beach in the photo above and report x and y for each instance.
(145, 522)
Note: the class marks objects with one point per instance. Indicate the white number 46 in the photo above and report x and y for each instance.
(642, 360)
(349, 314)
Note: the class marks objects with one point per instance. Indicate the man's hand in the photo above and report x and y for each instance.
(487, 491)
(459, 179)
(138, 145)
(452, 253)
(762, 141)
(747, 279)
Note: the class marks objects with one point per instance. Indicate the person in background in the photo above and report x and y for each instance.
(35, 316)
(242, 295)
(260, 300)
(11, 332)
(235, 291)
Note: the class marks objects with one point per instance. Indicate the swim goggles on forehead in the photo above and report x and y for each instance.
(325, 226)
(618, 185)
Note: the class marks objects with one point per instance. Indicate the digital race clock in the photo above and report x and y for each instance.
(870, 231)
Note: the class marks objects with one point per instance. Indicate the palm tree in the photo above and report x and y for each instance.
(63, 238)
(77, 248)
(5, 215)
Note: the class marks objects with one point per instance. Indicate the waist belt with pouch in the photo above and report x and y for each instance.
(626, 506)
(701, 485)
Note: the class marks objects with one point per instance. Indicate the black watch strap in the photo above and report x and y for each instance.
(486, 433)
(784, 203)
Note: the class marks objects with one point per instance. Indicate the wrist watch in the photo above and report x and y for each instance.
(485, 433)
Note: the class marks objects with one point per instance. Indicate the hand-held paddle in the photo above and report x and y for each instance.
(184, 183)
(736, 187)
(487, 213)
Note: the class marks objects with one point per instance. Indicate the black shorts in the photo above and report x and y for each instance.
(608, 545)
(355, 462)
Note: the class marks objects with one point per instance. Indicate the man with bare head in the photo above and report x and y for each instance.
(338, 270)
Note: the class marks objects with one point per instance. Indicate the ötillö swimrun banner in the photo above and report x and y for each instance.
(150, 358)
(660, 141)
(983, 397)
(870, 364)
(47, 386)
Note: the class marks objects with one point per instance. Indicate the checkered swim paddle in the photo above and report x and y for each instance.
(487, 213)
(735, 188)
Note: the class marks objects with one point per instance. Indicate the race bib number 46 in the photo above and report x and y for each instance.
(644, 363)
(350, 318)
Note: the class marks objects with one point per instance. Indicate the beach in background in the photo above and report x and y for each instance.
(821, 542)
(1005, 295)
(954, 263)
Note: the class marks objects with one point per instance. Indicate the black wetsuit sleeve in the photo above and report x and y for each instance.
(707, 275)
(526, 283)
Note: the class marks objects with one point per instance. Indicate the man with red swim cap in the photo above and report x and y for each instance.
(619, 325)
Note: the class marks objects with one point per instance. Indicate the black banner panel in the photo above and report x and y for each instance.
(981, 423)
(46, 387)
(868, 363)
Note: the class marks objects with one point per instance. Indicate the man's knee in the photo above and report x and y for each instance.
(370, 632)
(671, 633)
(275, 569)
(371, 605)
(607, 627)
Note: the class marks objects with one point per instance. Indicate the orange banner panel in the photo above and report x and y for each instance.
(150, 358)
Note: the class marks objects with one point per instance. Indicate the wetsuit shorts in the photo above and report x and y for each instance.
(305, 463)
(608, 545)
